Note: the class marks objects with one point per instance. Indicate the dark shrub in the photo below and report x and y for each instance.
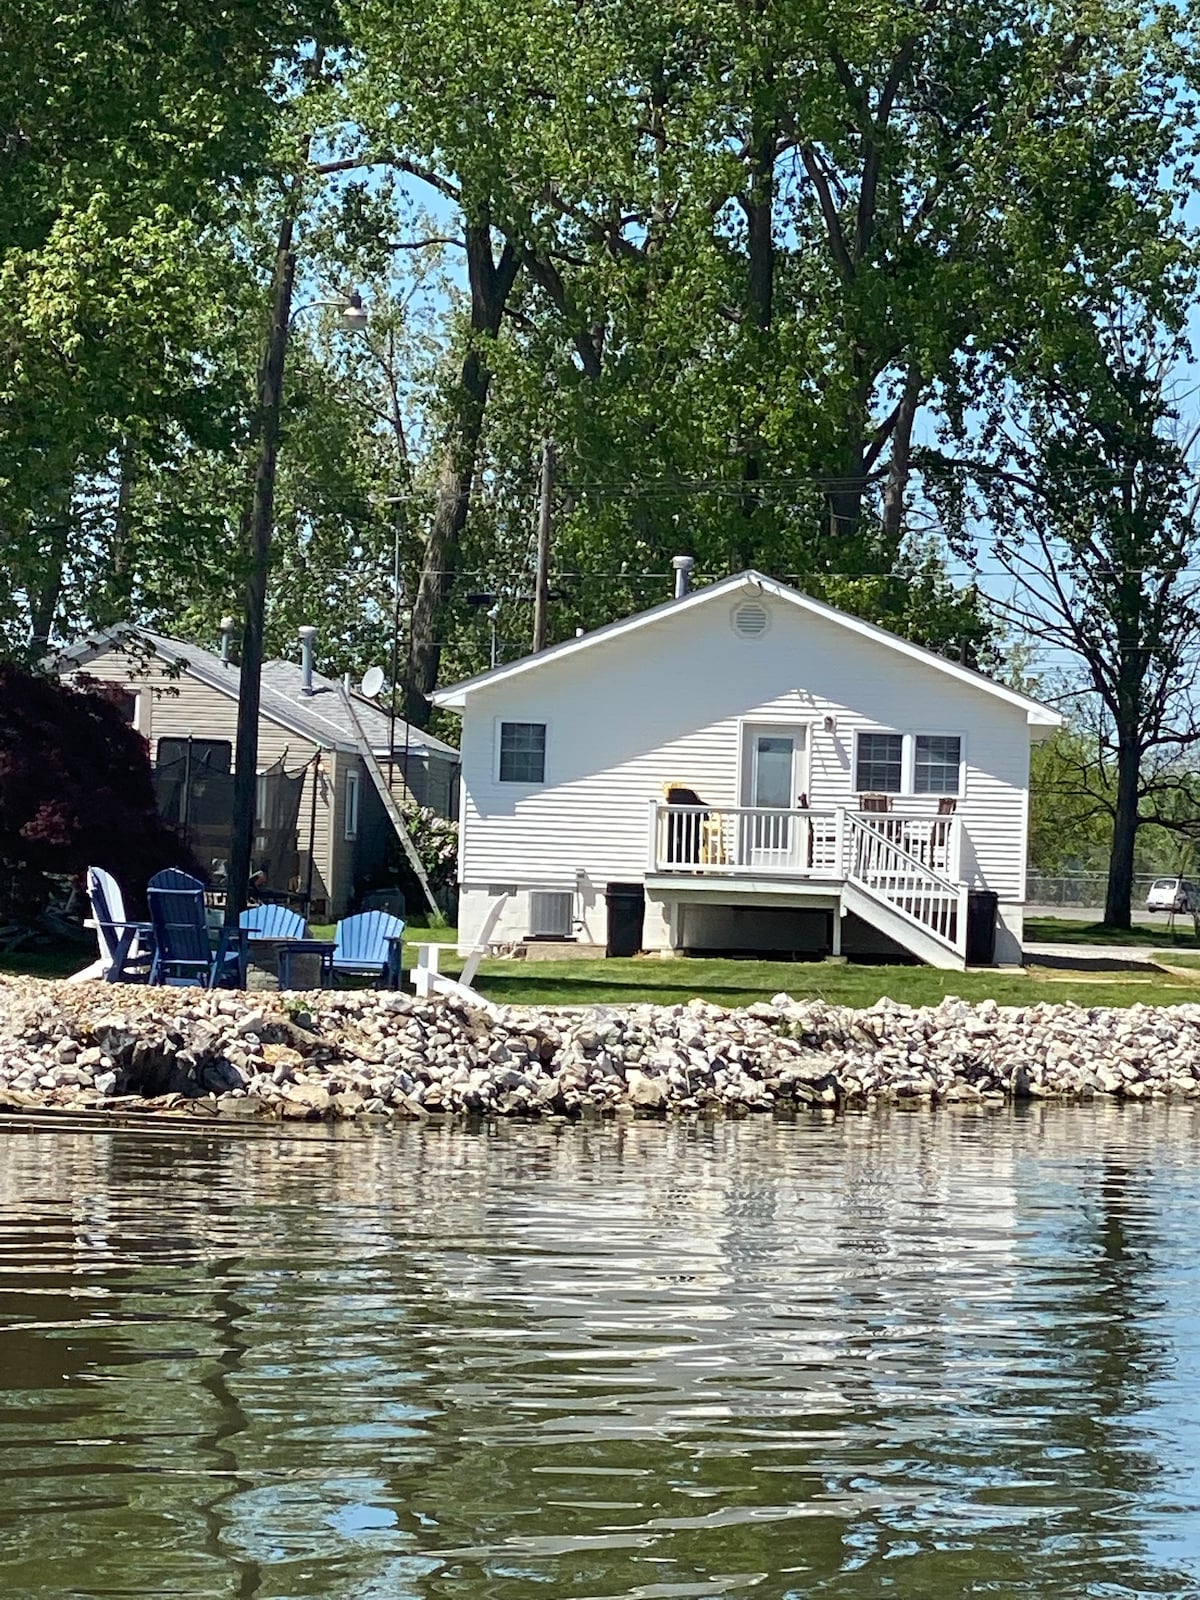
(75, 791)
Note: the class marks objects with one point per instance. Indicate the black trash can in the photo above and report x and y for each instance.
(981, 927)
(626, 904)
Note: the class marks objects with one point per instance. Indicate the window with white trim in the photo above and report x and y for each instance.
(350, 819)
(879, 763)
(908, 763)
(522, 752)
(937, 763)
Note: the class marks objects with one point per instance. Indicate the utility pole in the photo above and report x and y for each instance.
(260, 522)
(541, 587)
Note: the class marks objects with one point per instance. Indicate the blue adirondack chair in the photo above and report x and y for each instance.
(370, 944)
(126, 947)
(183, 947)
(272, 922)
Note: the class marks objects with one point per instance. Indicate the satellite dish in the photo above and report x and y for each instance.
(372, 682)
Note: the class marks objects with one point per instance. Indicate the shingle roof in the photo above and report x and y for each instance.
(327, 706)
(321, 717)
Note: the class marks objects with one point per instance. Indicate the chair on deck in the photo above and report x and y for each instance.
(272, 922)
(369, 945)
(125, 947)
(874, 802)
(183, 947)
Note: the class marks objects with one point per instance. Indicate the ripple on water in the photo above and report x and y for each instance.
(919, 1355)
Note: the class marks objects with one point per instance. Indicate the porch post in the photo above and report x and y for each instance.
(652, 837)
(955, 849)
(840, 842)
(835, 941)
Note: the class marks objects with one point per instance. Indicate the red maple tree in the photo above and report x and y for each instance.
(75, 791)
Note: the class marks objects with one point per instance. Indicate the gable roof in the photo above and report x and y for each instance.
(454, 698)
(321, 717)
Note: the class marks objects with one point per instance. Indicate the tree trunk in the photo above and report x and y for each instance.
(1119, 895)
(758, 203)
(844, 502)
(45, 595)
(259, 527)
(491, 283)
(896, 485)
(118, 595)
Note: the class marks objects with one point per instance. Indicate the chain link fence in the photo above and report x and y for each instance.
(1080, 888)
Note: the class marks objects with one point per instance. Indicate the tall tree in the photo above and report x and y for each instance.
(132, 135)
(1094, 510)
(740, 245)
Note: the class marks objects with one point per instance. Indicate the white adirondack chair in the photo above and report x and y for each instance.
(112, 925)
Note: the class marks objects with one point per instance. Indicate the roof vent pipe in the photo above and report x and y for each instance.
(683, 574)
(308, 637)
(227, 627)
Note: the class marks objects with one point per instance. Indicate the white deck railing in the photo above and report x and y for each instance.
(907, 882)
(800, 842)
(911, 862)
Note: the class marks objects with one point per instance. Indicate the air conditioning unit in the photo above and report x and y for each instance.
(551, 914)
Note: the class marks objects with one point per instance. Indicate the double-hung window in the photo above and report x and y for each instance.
(522, 752)
(880, 763)
(908, 763)
(937, 762)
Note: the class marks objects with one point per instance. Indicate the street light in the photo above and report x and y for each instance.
(354, 314)
(258, 527)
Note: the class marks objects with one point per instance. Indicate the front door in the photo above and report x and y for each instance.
(775, 772)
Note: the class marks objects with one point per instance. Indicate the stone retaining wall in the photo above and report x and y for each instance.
(363, 1054)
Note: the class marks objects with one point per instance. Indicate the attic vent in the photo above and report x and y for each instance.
(751, 619)
(551, 914)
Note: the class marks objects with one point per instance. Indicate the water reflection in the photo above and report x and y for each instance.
(904, 1355)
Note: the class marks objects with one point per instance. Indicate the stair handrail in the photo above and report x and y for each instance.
(856, 821)
(943, 897)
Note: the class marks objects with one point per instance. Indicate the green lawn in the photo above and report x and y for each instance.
(1055, 930)
(737, 983)
(59, 963)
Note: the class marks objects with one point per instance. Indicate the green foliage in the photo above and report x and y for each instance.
(757, 248)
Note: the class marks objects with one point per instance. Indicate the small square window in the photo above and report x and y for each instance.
(522, 752)
(880, 763)
(937, 763)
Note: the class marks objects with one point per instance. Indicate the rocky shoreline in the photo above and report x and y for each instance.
(363, 1055)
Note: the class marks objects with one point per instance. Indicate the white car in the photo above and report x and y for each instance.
(1173, 894)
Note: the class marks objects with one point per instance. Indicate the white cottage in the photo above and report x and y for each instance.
(744, 768)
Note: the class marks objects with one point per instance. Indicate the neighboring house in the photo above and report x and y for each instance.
(184, 701)
(744, 768)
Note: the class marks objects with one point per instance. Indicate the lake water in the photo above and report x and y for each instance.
(901, 1355)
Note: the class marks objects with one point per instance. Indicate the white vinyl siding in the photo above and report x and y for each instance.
(667, 705)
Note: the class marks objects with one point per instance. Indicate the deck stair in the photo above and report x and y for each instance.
(900, 895)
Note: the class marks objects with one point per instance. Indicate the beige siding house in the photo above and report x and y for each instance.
(183, 700)
(746, 768)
